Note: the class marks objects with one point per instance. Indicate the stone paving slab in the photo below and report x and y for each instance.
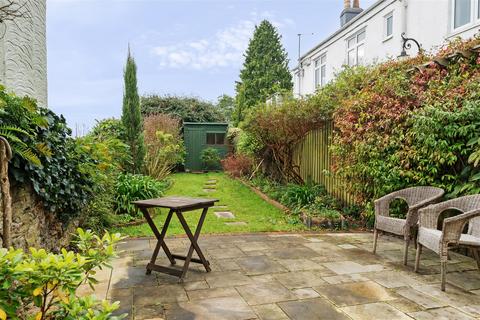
(224, 215)
(291, 276)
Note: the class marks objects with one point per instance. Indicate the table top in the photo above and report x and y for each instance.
(175, 202)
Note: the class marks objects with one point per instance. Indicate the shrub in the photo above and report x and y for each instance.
(188, 109)
(59, 181)
(132, 187)
(108, 129)
(298, 196)
(210, 158)
(165, 148)
(395, 125)
(109, 156)
(42, 285)
(237, 165)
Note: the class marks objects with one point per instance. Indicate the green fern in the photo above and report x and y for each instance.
(18, 146)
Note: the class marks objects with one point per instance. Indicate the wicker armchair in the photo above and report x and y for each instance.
(452, 232)
(416, 198)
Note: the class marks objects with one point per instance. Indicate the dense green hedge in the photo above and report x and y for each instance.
(59, 179)
(396, 125)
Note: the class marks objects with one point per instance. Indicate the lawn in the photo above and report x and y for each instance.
(247, 207)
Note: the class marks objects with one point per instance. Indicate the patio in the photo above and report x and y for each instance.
(293, 276)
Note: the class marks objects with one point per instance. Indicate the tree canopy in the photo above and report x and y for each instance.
(187, 108)
(132, 117)
(265, 70)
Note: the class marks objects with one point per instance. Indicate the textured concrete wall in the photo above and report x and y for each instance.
(23, 52)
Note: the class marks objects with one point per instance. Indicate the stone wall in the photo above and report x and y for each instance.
(32, 225)
(23, 52)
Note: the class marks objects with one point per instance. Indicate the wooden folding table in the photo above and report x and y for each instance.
(177, 205)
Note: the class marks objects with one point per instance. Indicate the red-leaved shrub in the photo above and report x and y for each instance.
(237, 165)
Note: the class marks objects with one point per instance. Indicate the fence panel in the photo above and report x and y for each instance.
(314, 159)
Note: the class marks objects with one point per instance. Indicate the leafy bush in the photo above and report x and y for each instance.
(109, 155)
(189, 109)
(59, 179)
(299, 196)
(132, 187)
(165, 148)
(210, 158)
(42, 285)
(237, 165)
(108, 129)
(395, 126)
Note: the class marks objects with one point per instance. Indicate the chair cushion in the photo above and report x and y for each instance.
(469, 240)
(431, 238)
(391, 225)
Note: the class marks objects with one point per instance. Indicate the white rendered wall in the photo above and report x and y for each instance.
(23, 53)
(428, 21)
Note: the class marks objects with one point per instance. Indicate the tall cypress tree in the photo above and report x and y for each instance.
(131, 115)
(265, 70)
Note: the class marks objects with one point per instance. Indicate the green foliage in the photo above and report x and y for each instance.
(265, 70)
(226, 106)
(132, 117)
(165, 147)
(247, 144)
(108, 129)
(42, 285)
(109, 156)
(132, 187)
(188, 109)
(59, 180)
(299, 196)
(210, 158)
(395, 126)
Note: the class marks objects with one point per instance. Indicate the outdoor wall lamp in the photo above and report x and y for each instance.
(407, 44)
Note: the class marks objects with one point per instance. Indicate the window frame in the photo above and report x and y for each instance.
(320, 71)
(387, 36)
(473, 20)
(355, 45)
(215, 133)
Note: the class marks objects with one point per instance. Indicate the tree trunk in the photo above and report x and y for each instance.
(5, 156)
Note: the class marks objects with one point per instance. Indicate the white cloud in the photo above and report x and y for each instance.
(223, 49)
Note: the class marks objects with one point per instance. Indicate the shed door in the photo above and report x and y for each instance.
(194, 144)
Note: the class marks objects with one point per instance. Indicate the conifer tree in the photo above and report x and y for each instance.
(132, 117)
(265, 70)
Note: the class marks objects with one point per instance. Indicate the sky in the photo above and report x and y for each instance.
(181, 47)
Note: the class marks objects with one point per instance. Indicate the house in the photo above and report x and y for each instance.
(375, 34)
(23, 50)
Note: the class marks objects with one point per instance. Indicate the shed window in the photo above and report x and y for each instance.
(215, 138)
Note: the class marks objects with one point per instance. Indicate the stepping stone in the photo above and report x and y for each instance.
(211, 181)
(209, 187)
(237, 223)
(224, 215)
(219, 207)
(209, 190)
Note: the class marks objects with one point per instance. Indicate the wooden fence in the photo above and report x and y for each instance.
(314, 159)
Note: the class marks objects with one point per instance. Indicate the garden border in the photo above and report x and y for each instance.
(308, 221)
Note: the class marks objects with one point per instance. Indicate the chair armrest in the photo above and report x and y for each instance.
(453, 226)
(413, 211)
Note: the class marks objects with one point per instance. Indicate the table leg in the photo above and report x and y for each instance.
(193, 240)
(160, 238)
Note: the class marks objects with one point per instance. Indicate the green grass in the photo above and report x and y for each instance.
(248, 207)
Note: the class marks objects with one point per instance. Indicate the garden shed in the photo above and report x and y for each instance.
(201, 135)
